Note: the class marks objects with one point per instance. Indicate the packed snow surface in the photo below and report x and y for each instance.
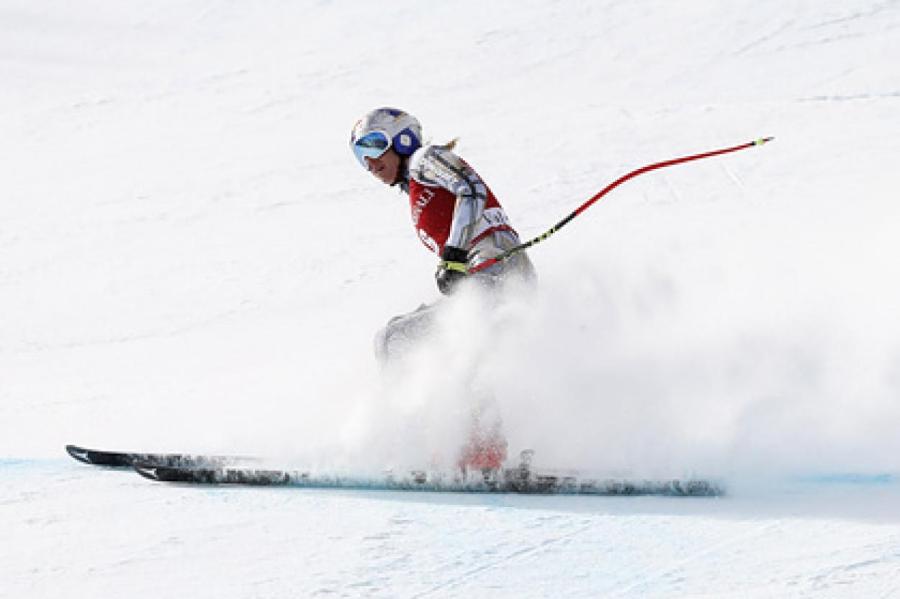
(191, 260)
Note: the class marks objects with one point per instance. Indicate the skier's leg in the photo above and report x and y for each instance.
(401, 333)
(486, 446)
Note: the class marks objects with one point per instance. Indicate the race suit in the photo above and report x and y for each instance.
(452, 206)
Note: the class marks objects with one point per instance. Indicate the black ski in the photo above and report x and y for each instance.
(124, 459)
(512, 480)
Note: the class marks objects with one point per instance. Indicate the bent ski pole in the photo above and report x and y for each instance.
(645, 169)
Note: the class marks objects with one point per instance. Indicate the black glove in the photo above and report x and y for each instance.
(452, 269)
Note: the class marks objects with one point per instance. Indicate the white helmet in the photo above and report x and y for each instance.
(385, 128)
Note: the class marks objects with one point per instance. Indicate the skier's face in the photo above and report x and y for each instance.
(385, 167)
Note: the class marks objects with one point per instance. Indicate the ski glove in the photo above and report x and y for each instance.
(452, 269)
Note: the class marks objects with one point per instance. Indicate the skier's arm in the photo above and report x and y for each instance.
(437, 165)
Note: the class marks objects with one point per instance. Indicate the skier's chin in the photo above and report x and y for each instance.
(382, 176)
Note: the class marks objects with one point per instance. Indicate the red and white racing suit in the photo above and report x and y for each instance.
(451, 205)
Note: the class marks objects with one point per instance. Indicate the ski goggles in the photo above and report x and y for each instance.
(371, 145)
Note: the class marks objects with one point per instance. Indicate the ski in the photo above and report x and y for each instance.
(124, 459)
(512, 480)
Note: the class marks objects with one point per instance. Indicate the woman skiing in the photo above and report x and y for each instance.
(453, 211)
(458, 218)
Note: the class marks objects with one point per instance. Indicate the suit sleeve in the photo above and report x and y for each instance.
(439, 166)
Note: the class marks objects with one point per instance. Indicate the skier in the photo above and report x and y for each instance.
(453, 211)
(458, 218)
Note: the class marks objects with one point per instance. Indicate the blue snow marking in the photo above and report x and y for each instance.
(20, 465)
(852, 478)
(15, 463)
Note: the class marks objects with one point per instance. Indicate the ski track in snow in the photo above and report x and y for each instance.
(528, 551)
(645, 581)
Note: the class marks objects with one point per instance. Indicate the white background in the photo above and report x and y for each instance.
(190, 259)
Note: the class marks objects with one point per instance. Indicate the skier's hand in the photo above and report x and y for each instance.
(452, 269)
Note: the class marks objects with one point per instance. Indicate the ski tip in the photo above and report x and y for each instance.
(763, 140)
(146, 470)
(79, 453)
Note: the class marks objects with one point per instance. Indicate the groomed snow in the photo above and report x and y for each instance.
(191, 260)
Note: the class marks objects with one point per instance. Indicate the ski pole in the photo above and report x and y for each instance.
(644, 169)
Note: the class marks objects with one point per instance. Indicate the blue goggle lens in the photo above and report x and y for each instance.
(371, 145)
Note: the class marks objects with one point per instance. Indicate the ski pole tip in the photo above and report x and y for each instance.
(762, 140)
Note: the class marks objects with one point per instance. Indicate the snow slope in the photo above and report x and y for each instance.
(190, 259)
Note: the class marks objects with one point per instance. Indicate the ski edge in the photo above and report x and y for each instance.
(126, 460)
(510, 481)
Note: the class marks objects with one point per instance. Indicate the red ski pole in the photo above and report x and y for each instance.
(644, 169)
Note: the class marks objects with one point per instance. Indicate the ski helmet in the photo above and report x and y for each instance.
(382, 129)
